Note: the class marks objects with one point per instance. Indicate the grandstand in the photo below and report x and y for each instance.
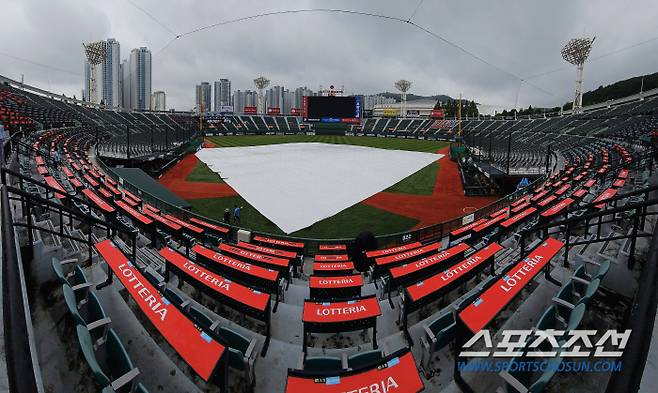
(106, 287)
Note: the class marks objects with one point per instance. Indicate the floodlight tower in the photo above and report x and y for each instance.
(95, 53)
(576, 52)
(403, 86)
(261, 83)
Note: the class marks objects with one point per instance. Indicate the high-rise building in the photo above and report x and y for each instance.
(222, 94)
(203, 97)
(274, 97)
(140, 78)
(300, 92)
(288, 101)
(111, 95)
(244, 98)
(106, 75)
(238, 101)
(158, 101)
(125, 85)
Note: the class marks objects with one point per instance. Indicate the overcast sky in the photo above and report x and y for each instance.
(364, 54)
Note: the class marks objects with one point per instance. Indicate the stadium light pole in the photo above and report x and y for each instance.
(403, 87)
(576, 52)
(95, 53)
(261, 84)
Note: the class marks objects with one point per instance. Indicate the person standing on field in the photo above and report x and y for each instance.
(236, 214)
(227, 216)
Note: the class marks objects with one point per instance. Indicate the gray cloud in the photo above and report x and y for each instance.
(366, 55)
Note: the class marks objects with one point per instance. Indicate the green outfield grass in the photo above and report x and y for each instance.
(250, 217)
(382, 143)
(419, 183)
(347, 223)
(201, 173)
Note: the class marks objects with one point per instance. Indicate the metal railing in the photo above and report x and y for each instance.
(22, 370)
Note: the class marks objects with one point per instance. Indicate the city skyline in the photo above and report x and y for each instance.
(120, 83)
(324, 52)
(219, 93)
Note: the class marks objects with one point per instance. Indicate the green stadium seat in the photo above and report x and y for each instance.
(576, 317)
(201, 319)
(527, 381)
(438, 333)
(242, 353)
(581, 276)
(467, 300)
(95, 319)
(323, 364)
(549, 318)
(153, 277)
(177, 299)
(362, 359)
(567, 299)
(122, 374)
(76, 279)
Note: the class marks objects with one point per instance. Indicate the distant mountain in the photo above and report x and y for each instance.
(411, 97)
(621, 89)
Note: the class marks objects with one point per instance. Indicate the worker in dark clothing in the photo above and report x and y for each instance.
(227, 216)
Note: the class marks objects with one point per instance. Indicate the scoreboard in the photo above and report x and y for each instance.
(332, 109)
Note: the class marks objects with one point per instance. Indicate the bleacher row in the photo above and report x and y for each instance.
(151, 133)
(531, 137)
(212, 304)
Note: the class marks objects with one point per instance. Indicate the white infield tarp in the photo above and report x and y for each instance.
(297, 184)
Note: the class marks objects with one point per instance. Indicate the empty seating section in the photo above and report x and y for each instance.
(254, 312)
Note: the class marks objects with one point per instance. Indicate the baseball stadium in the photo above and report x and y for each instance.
(281, 240)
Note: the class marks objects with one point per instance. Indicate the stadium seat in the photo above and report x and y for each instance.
(177, 299)
(95, 315)
(550, 319)
(438, 333)
(581, 275)
(242, 353)
(122, 374)
(154, 277)
(363, 359)
(75, 279)
(581, 282)
(567, 299)
(204, 321)
(527, 381)
(323, 364)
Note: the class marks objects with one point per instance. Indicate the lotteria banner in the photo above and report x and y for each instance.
(437, 114)
(339, 312)
(273, 111)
